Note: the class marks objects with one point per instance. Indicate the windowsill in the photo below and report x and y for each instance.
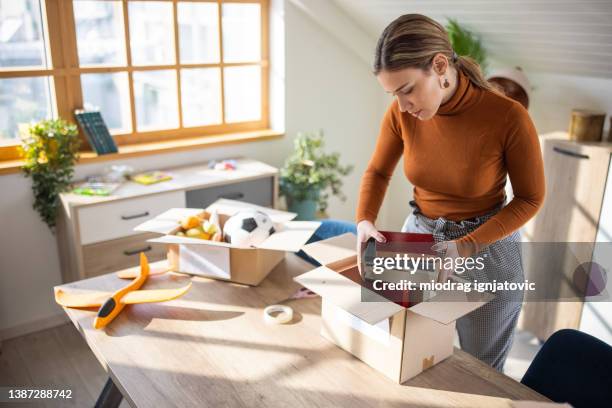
(143, 149)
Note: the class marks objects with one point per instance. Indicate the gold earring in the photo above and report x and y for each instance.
(446, 83)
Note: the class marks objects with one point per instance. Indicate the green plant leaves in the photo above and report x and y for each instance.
(309, 169)
(466, 43)
(50, 151)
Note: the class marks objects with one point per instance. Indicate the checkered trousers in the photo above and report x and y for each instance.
(486, 333)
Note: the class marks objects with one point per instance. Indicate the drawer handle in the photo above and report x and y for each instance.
(131, 217)
(137, 251)
(570, 153)
(232, 196)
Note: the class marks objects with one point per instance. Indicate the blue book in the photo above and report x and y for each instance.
(96, 131)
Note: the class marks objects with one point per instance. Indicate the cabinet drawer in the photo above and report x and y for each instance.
(258, 192)
(117, 254)
(113, 220)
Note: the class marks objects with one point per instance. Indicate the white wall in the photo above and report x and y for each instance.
(555, 95)
(327, 86)
(332, 88)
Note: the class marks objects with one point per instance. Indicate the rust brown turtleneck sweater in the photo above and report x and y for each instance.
(458, 162)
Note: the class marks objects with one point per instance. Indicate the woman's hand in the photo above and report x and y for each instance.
(365, 231)
(449, 250)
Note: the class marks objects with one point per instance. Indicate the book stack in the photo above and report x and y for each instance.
(95, 130)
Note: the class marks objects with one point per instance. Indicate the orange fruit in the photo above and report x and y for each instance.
(191, 222)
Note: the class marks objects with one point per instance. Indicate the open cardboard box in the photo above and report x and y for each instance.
(399, 341)
(221, 260)
(414, 245)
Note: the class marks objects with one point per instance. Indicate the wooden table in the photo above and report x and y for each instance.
(212, 348)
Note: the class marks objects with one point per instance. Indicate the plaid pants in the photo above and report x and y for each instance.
(486, 333)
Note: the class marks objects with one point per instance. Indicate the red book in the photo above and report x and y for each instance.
(406, 242)
(403, 243)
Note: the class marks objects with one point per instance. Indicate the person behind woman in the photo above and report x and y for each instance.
(460, 140)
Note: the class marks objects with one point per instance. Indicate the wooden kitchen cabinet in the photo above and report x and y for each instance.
(575, 213)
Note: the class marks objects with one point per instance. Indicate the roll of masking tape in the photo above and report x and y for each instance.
(278, 314)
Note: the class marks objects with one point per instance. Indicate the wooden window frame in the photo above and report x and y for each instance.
(65, 73)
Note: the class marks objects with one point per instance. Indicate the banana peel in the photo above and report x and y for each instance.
(217, 235)
(111, 304)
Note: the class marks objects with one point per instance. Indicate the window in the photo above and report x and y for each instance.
(156, 69)
(25, 95)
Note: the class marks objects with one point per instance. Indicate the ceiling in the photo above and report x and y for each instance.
(560, 36)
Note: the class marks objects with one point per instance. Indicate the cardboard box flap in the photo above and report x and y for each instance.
(447, 306)
(333, 249)
(167, 221)
(175, 239)
(292, 236)
(158, 226)
(231, 207)
(346, 294)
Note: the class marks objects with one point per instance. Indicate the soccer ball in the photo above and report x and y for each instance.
(247, 228)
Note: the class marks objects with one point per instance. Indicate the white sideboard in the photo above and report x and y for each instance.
(95, 234)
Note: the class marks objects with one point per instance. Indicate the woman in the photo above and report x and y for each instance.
(460, 139)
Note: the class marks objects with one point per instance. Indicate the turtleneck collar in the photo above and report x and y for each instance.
(465, 94)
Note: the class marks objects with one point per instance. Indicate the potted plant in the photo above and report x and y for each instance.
(50, 150)
(466, 43)
(310, 175)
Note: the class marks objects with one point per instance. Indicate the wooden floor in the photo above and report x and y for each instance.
(59, 358)
(56, 358)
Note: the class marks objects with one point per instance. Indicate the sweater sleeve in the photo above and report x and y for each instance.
(375, 180)
(523, 160)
